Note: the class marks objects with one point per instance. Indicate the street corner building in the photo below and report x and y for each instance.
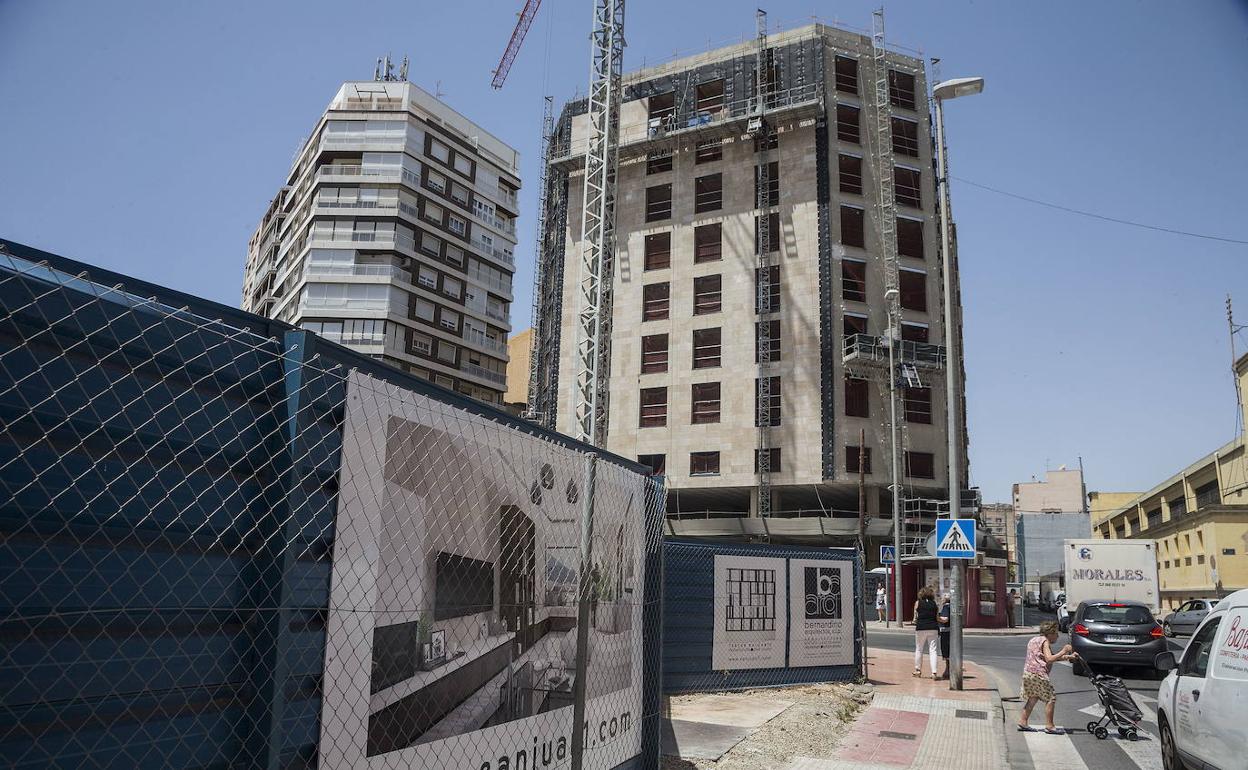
(1199, 519)
(747, 298)
(394, 234)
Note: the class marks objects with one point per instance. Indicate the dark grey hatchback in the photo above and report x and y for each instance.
(1122, 633)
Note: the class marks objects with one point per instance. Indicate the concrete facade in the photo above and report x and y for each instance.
(394, 234)
(1199, 520)
(1060, 492)
(814, 432)
(998, 519)
(519, 350)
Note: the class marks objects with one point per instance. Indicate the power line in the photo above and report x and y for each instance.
(1099, 216)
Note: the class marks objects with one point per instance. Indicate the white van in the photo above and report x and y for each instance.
(1203, 700)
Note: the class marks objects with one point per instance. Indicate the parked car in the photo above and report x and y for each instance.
(1202, 701)
(1116, 633)
(1187, 617)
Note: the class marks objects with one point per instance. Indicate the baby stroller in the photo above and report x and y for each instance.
(1120, 708)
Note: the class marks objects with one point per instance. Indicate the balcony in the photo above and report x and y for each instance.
(508, 198)
(373, 172)
(492, 346)
(730, 118)
(505, 225)
(481, 372)
(494, 252)
(379, 271)
(495, 313)
(870, 350)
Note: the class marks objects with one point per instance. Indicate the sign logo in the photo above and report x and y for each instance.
(823, 593)
(1085, 554)
(955, 538)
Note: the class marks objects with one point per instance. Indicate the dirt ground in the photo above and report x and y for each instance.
(813, 726)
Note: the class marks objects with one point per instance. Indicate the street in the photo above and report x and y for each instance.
(1077, 704)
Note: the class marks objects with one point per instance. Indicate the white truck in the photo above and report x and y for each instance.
(1111, 569)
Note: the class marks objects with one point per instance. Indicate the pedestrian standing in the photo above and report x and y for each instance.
(1010, 599)
(1036, 684)
(943, 620)
(881, 597)
(925, 629)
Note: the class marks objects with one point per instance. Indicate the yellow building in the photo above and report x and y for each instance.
(1198, 518)
(519, 348)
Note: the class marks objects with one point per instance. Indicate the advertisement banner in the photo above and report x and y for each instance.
(452, 629)
(821, 607)
(1231, 658)
(750, 613)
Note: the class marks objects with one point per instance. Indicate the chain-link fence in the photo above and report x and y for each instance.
(226, 543)
(745, 616)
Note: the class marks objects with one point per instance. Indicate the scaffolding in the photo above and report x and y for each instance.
(534, 404)
(758, 128)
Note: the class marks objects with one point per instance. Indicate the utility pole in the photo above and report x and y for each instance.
(951, 403)
(1239, 396)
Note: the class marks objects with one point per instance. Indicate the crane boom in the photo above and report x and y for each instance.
(517, 37)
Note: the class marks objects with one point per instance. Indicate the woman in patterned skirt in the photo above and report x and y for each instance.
(1036, 684)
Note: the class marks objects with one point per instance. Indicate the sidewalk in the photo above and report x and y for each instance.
(921, 723)
(877, 626)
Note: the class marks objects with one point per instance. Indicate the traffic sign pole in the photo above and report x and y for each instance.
(956, 539)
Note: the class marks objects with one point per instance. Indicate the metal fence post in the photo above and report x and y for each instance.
(583, 609)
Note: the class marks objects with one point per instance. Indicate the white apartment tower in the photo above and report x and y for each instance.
(394, 234)
(686, 311)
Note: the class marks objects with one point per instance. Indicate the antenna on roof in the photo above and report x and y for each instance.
(403, 70)
(377, 71)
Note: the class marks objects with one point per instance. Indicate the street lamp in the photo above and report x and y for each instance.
(951, 89)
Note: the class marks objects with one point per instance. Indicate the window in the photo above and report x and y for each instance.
(773, 184)
(705, 396)
(854, 324)
(706, 348)
(711, 96)
(658, 251)
(853, 280)
(851, 174)
(662, 105)
(704, 463)
(852, 226)
(707, 243)
(708, 194)
(656, 463)
(847, 75)
(454, 254)
(773, 460)
(655, 301)
(1207, 494)
(857, 459)
(772, 329)
(449, 319)
(459, 194)
(439, 151)
(1178, 507)
(421, 344)
(423, 310)
(452, 287)
(658, 163)
(457, 225)
(847, 124)
(707, 294)
(901, 89)
(920, 465)
(653, 353)
(767, 297)
(918, 405)
(436, 181)
(910, 237)
(653, 408)
(433, 213)
(430, 244)
(463, 164)
(906, 186)
(913, 286)
(771, 409)
(857, 398)
(773, 234)
(911, 332)
(658, 203)
(709, 152)
(905, 137)
(427, 277)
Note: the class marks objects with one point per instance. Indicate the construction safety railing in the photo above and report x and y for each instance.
(226, 542)
(867, 348)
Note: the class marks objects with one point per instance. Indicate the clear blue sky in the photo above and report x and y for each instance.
(147, 137)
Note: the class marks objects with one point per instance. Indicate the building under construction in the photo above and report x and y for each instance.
(776, 207)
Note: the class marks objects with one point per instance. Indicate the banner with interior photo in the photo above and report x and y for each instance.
(743, 616)
(452, 629)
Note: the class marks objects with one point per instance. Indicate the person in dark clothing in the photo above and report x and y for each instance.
(925, 629)
(943, 620)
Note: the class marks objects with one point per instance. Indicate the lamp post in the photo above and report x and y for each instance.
(951, 89)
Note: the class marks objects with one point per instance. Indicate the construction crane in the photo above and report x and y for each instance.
(517, 38)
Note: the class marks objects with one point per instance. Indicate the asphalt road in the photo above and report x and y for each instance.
(1077, 704)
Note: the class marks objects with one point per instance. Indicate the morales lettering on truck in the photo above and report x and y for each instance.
(1118, 575)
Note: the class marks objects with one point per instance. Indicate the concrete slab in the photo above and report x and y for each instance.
(700, 740)
(732, 710)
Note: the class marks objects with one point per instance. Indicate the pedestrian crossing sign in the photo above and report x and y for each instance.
(887, 554)
(955, 538)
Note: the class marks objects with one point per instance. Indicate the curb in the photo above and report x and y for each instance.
(980, 632)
